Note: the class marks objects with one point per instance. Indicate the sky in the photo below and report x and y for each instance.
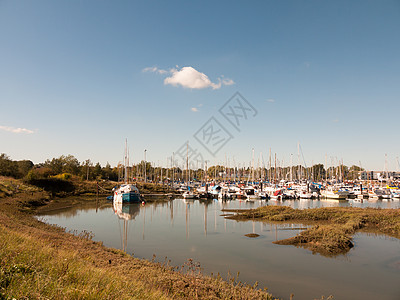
(81, 77)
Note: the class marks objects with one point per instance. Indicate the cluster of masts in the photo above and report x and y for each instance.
(274, 171)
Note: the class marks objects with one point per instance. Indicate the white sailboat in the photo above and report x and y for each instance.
(126, 192)
(189, 193)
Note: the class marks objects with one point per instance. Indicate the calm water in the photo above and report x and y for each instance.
(180, 230)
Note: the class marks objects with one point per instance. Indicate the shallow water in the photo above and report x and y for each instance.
(180, 230)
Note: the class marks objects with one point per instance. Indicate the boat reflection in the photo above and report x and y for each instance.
(126, 212)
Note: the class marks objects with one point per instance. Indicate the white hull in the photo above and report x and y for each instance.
(126, 193)
(306, 195)
(334, 194)
(189, 195)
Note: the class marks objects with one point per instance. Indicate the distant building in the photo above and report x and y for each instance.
(370, 175)
(379, 175)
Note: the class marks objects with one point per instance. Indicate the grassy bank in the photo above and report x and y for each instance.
(38, 260)
(333, 227)
(74, 186)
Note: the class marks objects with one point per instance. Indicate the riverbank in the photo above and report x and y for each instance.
(331, 228)
(38, 260)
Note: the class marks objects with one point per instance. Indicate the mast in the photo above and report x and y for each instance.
(126, 161)
(291, 167)
(326, 167)
(145, 166)
(205, 174)
(386, 167)
(270, 174)
(173, 169)
(187, 165)
(312, 171)
(261, 167)
(298, 157)
(275, 170)
(226, 169)
(252, 166)
(234, 170)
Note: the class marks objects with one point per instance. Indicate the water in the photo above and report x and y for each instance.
(181, 230)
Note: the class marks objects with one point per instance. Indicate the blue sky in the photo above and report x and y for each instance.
(78, 77)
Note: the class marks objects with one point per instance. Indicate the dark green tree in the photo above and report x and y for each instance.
(97, 171)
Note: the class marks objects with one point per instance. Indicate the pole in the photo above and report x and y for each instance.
(145, 166)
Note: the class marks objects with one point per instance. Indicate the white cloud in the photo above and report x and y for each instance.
(16, 130)
(228, 81)
(155, 70)
(189, 77)
(271, 100)
(194, 109)
(149, 69)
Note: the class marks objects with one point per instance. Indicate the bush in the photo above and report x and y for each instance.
(63, 176)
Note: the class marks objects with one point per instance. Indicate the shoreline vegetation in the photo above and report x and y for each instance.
(331, 228)
(39, 260)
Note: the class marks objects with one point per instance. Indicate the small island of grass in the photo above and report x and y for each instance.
(333, 227)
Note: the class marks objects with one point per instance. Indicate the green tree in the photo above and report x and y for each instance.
(70, 164)
(63, 164)
(97, 171)
(23, 166)
(6, 166)
(85, 168)
(107, 172)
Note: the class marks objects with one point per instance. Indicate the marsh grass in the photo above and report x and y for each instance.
(333, 226)
(252, 235)
(30, 269)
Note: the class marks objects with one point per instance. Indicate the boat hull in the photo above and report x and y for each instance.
(129, 197)
(334, 195)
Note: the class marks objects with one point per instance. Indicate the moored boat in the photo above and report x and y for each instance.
(334, 194)
(190, 195)
(126, 192)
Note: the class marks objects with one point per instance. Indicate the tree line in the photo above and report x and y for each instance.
(66, 166)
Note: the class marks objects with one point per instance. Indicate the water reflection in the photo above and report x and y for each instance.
(126, 212)
(180, 229)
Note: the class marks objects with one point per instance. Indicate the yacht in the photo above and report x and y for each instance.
(334, 194)
(126, 192)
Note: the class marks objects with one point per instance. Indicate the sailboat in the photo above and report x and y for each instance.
(334, 194)
(188, 194)
(126, 192)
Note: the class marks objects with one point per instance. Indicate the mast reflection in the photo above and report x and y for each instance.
(126, 212)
